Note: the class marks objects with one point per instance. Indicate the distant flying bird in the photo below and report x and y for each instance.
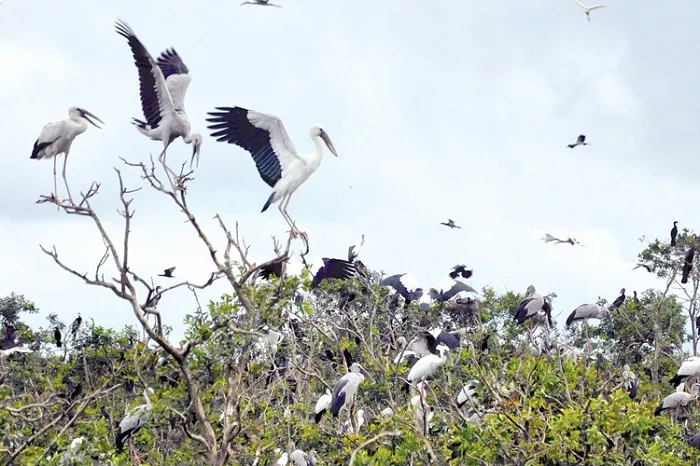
(278, 162)
(581, 140)
(587, 10)
(57, 137)
(261, 3)
(460, 270)
(163, 85)
(450, 223)
(648, 268)
(167, 273)
(619, 301)
(57, 337)
(572, 241)
(674, 233)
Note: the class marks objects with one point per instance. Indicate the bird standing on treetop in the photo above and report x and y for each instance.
(688, 263)
(57, 337)
(75, 325)
(674, 233)
(278, 162)
(57, 138)
(619, 301)
(580, 141)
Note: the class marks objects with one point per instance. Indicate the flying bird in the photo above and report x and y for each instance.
(648, 268)
(261, 3)
(167, 273)
(461, 270)
(163, 85)
(404, 285)
(674, 233)
(581, 140)
(277, 160)
(587, 10)
(450, 223)
(57, 137)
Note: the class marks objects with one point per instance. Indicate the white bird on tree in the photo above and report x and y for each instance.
(278, 162)
(163, 85)
(57, 137)
(133, 422)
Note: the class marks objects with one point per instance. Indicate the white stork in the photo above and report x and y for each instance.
(580, 141)
(323, 403)
(346, 388)
(57, 137)
(163, 86)
(587, 311)
(587, 10)
(133, 422)
(689, 368)
(630, 381)
(426, 366)
(300, 458)
(677, 399)
(278, 162)
(261, 3)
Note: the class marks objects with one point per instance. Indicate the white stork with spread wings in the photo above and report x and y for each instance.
(163, 86)
(278, 162)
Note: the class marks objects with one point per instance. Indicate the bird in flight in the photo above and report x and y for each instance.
(549, 239)
(580, 141)
(450, 223)
(642, 265)
(588, 9)
(167, 273)
(261, 3)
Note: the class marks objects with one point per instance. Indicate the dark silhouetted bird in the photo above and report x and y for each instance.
(688, 263)
(580, 141)
(674, 233)
(461, 270)
(57, 337)
(450, 223)
(76, 325)
(619, 301)
(642, 265)
(167, 273)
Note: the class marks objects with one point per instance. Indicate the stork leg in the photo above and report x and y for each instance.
(283, 209)
(65, 180)
(55, 184)
(134, 457)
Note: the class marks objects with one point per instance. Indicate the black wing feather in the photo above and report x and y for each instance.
(231, 125)
(147, 81)
(333, 268)
(170, 63)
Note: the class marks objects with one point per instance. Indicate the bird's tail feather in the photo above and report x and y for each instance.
(676, 380)
(269, 202)
(571, 146)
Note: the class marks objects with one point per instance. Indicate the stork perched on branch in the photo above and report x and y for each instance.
(163, 85)
(278, 162)
(56, 138)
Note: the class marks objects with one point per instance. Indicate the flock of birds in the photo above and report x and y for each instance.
(163, 83)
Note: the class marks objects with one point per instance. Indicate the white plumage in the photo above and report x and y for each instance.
(57, 137)
(427, 365)
(163, 85)
(278, 162)
(689, 368)
(467, 393)
(323, 403)
(283, 459)
(587, 10)
(344, 391)
(300, 458)
(678, 399)
(587, 311)
(134, 421)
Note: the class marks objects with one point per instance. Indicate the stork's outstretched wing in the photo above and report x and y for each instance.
(177, 76)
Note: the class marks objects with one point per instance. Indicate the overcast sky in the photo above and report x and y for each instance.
(452, 108)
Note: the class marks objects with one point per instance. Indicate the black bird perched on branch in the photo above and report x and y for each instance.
(57, 337)
(619, 301)
(450, 223)
(9, 339)
(688, 263)
(273, 269)
(461, 270)
(75, 325)
(674, 233)
(167, 273)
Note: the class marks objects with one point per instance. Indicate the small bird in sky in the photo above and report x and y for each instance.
(450, 223)
(167, 273)
(580, 141)
(572, 241)
(261, 3)
(642, 265)
(588, 9)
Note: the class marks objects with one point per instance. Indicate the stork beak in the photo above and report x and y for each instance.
(195, 155)
(329, 143)
(87, 115)
(367, 374)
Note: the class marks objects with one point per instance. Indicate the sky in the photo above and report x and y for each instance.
(452, 109)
